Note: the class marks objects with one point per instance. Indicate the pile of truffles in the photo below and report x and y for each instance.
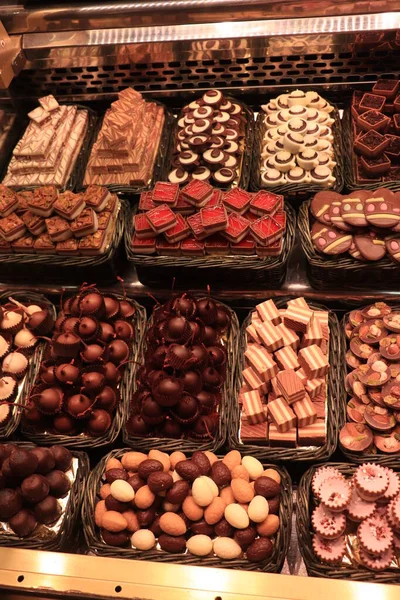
(226, 508)
(19, 327)
(31, 482)
(365, 507)
(373, 380)
(297, 144)
(179, 385)
(76, 389)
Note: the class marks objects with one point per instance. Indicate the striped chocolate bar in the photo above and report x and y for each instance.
(253, 407)
(315, 386)
(289, 337)
(314, 333)
(304, 411)
(323, 317)
(245, 388)
(281, 415)
(254, 434)
(298, 302)
(312, 435)
(269, 336)
(287, 358)
(252, 334)
(268, 312)
(298, 318)
(260, 359)
(245, 419)
(255, 317)
(252, 379)
(320, 408)
(313, 361)
(285, 439)
(290, 386)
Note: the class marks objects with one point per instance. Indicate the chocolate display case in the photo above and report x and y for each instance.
(252, 51)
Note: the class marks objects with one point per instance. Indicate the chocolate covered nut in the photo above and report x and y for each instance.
(223, 528)
(221, 474)
(121, 490)
(191, 509)
(227, 548)
(266, 487)
(143, 539)
(200, 545)
(172, 524)
(178, 492)
(201, 527)
(188, 470)
(201, 460)
(160, 482)
(146, 517)
(114, 474)
(171, 543)
(259, 550)
(144, 497)
(136, 482)
(269, 526)
(112, 503)
(119, 539)
(245, 537)
(149, 466)
(273, 505)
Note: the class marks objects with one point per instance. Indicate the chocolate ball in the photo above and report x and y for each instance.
(99, 422)
(245, 537)
(210, 336)
(63, 457)
(59, 483)
(92, 303)
(120, 539)
(67, 373)
(127, 309)
(207, 310)
(204, 426)
(217, 355)
(113, 504)
(123, 330)
(112, 374)
(106, 399)
(107, 333)
(49, 400)
(92, 382)
(177, 329)
(178, 355)
(167, 391)
(111, 306)
(64, 424)
(184, 306)
(41, 322)
(118, 351)
(47, 374)
(207, 400)
(7, 472)
(23, 463)
(192, 382)
(223, 319)
(211, 378)
(35, 488)
(46, 460)
(79, 406)
(48, 510)
(223, 528)
(69, 324)
(171, 429)
(186, 407)
(87, 327)
(136, 425)
(197, 330)
(66, 345)
(93, 353)
(23, 523)
(151, 411)
(158, 357)
(10, 503)
(200, 354)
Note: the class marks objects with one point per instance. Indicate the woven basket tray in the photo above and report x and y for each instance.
(25, 297)
(63, 540)
(247, 156)
(160, 163)
(297, 192)
(343, 271)
(315, 568)
(84, 441)
(335, 403)
(388, 460)
(271, 271)
(350, 172)
(189, 445)
(77, 171)
(67, 269)
(272, 565)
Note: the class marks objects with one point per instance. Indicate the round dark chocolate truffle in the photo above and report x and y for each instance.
(111, 373)
(46, 460)
(192, 382)
(23, 523)
(69, 324)
(48, 510)
(49, 400)
(207, 310)
(64, 424)
(137, 426)
(107, 333)
(178, 355)
(223, 319)
(23, 463)
(123, 330)
(33, 417)
(10, 503)
(187, 407)
(40, 322)
(66, 345)
(151, 411)
(92, 382)
(200, 354)
(47, 374)
(79, 406)
(120, 539)
(177, 329)
(106, 399)
(99, 422)
(59, 483)
(154, 376)
(35, 488)
(205, 426)
(63, 457)
(66, 373)
(184, 306)
(171, 429)
(118, 351)
(127, 309)
(93, 353)
(111, 306)
(92, 304)
(211, 378)
(210, 336)
(167, 391)
(158, 357)
(197, 330)
(87, 327)
(217, 355)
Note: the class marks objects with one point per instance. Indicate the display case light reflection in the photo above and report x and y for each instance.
(53, 563)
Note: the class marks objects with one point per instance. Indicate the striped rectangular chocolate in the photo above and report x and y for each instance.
(312, 435)
(252, 334)
(289, 337)
(253, 380)
(290, 386)
(281, 415)
(313, 361)
(285, 439)
(322, 316)
(298, 318)
(270, 336)
(305, 412)
(314, 333)
(254, 434)
(267, 311)
(298, 302)
(253, 407)
(287, 358)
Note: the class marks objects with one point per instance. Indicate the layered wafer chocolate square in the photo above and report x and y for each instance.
(281, 415)
(313, 361)
(290, 386)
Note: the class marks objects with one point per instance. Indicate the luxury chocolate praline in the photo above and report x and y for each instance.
(137, 426)
(69, 324)
(207, 310)
(207, 400)
(197, 329)
(92, 382)
(167, 391)
(10, 503)
(48, 510)
(64, 424)
(127, 309)
(151, 410)
(41, 322)
(217, 355)
(123, 330)
(204, 426)
(107, 333)
(171, 429)
(79, 406)
(63, 457)
(178, 356)
(176, 329)
(23, 463)
(87, 327)
(23, 523)
(111, 373)
(99, 422)
(210, 336)
(158, 357)
(187, 407)
(46, 460)
(111, 305)
(66, 344)
(49, 400)
(118, 351)
(106, 399)
(93, 353)
(59, 483)
(154, 376)
(200, 354)
(91, 303)
(192, 381)
(184, 306)
(35, 488)
(223, 319)
(66, 373)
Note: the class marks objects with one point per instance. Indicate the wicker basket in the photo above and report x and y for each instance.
(247, 156)
(350, 173)
(387, 460)
(63, 540)
(81, 159)
(84, 441)
(315, 568)
(297, 192)
(63, 270)
(160, 163)
(335, 403)
(272, 565)
(270, 271)
(189, 445)
(25, 297)
(343, 271)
